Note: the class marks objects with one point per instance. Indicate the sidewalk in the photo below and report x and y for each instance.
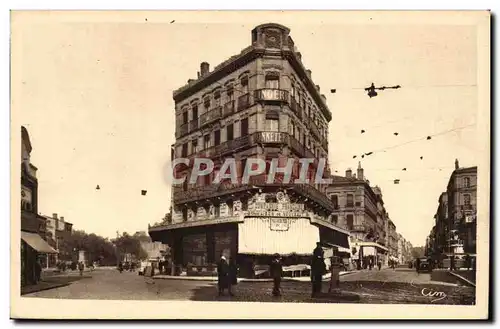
(467, 276)
(214, 278)
(51, 283)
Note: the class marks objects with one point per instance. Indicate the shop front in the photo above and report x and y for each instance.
(369, 254)
(33, 249)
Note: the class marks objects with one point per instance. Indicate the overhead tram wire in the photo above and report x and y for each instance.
(407, 142)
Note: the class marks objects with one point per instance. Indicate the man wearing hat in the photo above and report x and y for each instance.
(276, 270)
(318, 268)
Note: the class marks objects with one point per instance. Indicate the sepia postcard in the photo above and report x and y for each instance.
(250, 164)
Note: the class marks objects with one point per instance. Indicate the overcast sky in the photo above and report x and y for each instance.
(96, 98)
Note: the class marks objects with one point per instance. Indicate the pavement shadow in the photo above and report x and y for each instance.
(251, 292)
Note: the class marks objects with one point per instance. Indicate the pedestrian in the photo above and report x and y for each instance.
(276, 270)
(80, 268)
(317, 269)
(379, 264)
(38, 271)
(233, 275)
(120, 267)
(223, 276)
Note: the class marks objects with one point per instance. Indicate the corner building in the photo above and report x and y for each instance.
(261, 103)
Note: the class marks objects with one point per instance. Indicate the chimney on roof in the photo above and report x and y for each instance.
(62, 218)
(299, 55)
(360, 171)
(323, 97)
(204, 69)
(318, 88)
(54, 215)
(348, 173)
(190, 81)
(198, 73)
(456, 164)
(309, 73)
(354, 176)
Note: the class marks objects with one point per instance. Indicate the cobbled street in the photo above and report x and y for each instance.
(377, 287)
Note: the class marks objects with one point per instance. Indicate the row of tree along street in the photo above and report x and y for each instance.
(103, 251)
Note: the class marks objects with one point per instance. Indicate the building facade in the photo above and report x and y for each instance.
(58, 230)
(392, 241)
(261, 103)
(359, 208)
(33, 226)
(454, 232)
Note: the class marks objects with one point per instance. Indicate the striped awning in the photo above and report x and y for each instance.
(36, 242)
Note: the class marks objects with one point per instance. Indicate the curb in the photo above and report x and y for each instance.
(458, 276)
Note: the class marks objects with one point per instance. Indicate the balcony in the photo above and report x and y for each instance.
(358, 228)
(314, 128)
(232, 146)
(211, 116)
(271, 95)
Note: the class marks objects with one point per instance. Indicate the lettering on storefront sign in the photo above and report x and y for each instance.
(271, 137)
(205, 222)
(279, 224)
(272, 95)
(286, 214)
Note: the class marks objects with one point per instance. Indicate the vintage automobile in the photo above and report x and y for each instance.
(424, 266)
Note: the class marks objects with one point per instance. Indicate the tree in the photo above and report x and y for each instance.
(418, 252)
(97, 248)
(130, 244)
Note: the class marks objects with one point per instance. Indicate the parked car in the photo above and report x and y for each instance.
(425, 266)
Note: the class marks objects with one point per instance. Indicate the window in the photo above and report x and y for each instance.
(243, 164)
(206, 141)
(244, 85)
(350, 200)
(272, 81)
(335, 200)
(185, 117)
(335, 219)
(194, 145)
(350, 222)
(184, 150)
(217, 98)
(217, 210)
(217, 137)
(466, 199)
(244, 127)
(358, 204)
(272, 125)
(206, 104)
(293, 91)
(297, 134)
(292, 128)
(230, 132)
(195, 111)
(230, 207)
(230, 93)
(466, 182)
(184, 214)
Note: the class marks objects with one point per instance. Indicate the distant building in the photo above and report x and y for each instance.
(33, 226)
(454, 232)
(359, 208)
(155, 249)
(58, 230)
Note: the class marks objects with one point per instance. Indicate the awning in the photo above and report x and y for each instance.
(36, 242)
(340, 248)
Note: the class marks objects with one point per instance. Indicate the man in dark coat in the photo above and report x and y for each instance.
(223, 276)
(276, 270)
(38, 271)
(318, 268)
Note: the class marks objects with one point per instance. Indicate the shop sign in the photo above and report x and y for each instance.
(279, 224)
(215, 221)
(272, 95)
